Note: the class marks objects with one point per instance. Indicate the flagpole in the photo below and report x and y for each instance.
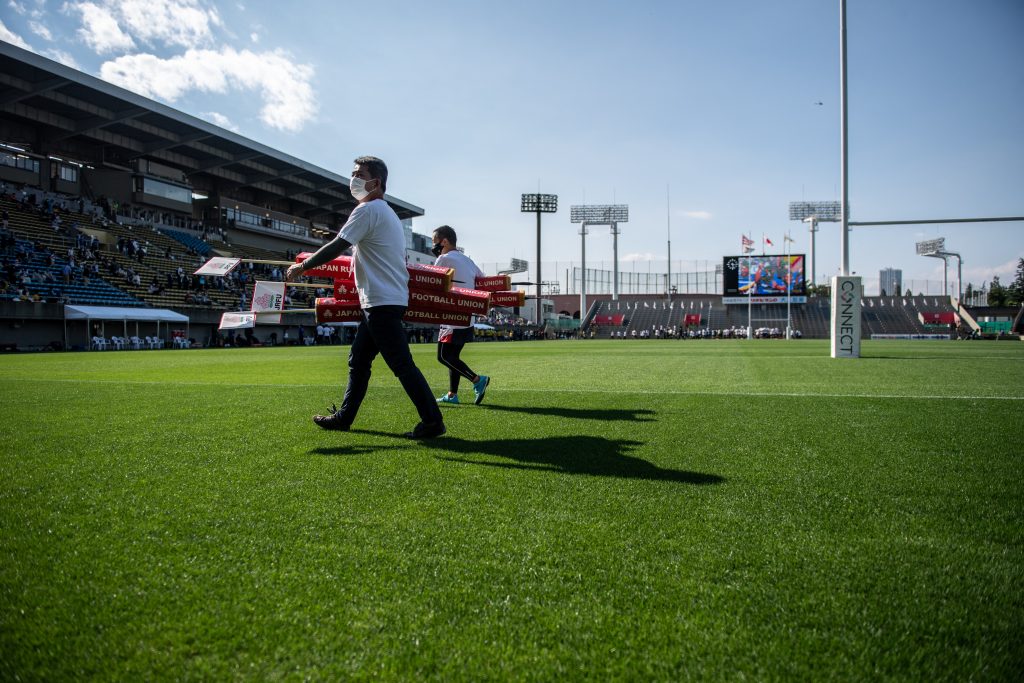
(750, 287)
(789, 290)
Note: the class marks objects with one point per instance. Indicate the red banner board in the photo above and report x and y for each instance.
(333, 311)
(691, 319)
(457, 300)
(437, 317)
(423, 276)
(338, 269)
(509, 299)
(493, 283)
(616, 319)
(938, 318)
(345, 291)
(430, 278)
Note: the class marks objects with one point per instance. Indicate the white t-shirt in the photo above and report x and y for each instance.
(465, 276)
(382, 278)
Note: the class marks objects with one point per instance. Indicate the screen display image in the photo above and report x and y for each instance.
(765, 275)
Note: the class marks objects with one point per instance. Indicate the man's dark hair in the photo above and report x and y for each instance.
(446, 232)
(378, 170)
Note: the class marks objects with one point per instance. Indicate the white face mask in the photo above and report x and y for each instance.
(357, 186)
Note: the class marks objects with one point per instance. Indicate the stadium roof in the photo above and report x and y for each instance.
(53, 110)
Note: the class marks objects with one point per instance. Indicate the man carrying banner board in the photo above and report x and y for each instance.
(382, 281)
(450, 339)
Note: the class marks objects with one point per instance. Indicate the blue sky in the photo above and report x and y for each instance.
(710, 103)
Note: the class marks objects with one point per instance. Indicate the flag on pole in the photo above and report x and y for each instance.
(748, 244)
(770, 244)
(268, 297)
(787, 238)
(218, 266)
(237, 321)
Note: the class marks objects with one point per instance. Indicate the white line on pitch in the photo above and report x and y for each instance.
(671, 392)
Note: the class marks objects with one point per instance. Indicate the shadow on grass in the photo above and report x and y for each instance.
(356, 450)
(610, 415)
(588, 455)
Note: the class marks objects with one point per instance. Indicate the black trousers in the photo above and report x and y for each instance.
(381, 332)
(448, 355)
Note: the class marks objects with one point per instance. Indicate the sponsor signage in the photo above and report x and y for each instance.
(846, 314)
(764, 299)
(928, 337)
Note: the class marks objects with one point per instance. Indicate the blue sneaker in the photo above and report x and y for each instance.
(480, 388)
(446, 398)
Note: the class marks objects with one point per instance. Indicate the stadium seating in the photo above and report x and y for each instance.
(189, 240)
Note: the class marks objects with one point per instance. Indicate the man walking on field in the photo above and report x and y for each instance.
(450, 340)
(382, 280)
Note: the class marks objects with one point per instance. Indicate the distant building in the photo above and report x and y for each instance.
(890, 281)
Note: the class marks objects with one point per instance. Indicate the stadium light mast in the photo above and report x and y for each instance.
(937, 249)
(538, 204)
(600, 214)
(814, 213)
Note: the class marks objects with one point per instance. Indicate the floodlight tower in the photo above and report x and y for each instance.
(814, 213)
(539, 203)
(599, 214)
(937, 249)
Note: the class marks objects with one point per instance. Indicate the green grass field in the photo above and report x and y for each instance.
(618, 510)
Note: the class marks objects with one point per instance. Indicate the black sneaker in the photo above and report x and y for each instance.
(426, 430)
(332, 421)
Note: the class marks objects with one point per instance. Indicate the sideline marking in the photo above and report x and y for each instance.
(671, 392)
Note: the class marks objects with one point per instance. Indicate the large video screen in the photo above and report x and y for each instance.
(766, 275)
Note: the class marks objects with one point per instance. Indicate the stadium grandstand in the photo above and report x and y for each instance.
(111, 201)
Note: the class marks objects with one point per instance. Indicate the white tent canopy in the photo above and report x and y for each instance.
(105, 314)
(119, 313)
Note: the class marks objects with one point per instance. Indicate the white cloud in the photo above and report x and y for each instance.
(219, 119)
(647, 256)
(40, 30)
(285, 87)
(100, 30)
(17, 7)
(698, 215)
(977, 274)
(254, 37)
(8, 36)
(116, 25)
(171, 22)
